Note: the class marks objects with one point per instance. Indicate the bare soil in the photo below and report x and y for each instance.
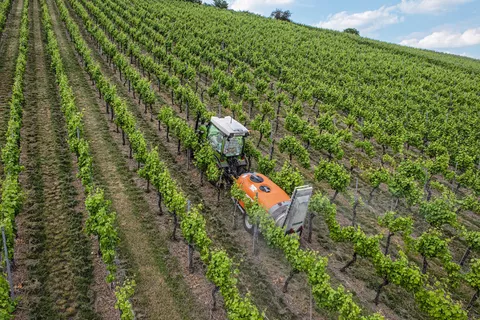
(52, 254)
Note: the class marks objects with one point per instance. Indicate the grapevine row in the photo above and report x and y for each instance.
(438, 213)
(435, 302)
(183, 93)
(4, 10)
(219, 265)
(307, 261)
(338, 178)
(101, 220)
(392, 128)
(204, 157)
(203, 153)
(288, 144)
(11, 194)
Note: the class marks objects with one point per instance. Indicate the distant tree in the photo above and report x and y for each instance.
(281, 15)
(352, 31)
(222, 4)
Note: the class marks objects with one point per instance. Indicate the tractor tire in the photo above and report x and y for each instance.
(247, 225)
(241, 170)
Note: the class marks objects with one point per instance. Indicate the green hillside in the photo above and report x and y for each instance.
(116, 205)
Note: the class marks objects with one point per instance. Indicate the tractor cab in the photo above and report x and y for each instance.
(227, 138)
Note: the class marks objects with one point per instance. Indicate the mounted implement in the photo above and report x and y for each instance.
(288, 213)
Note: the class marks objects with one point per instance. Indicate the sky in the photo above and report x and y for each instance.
(451, 26)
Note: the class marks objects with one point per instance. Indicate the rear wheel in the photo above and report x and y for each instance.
(241, 170)
(247, 224)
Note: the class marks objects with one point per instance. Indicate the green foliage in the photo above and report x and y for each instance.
(4, 9)
(292, 146)
(470, 203)
(439, 165)
(397, 224)
(250, 150)
(473, 276)
(469, 178)
(264, 127)
(472, 238)
(366, 146)
(101, 221)
(335, 174)
(123, 294)
(220, 270)
(405, 187)
(411, 169)
(325, 122)
(281, 15)
(431, 245)
(267, 110)
(266, 166)
(194, 1)
(288, 178)
(434, 302)
(376, 176)
(179, 128)
(307, 261)
(222, 4)
(175, 201)
(324, 142)
(321, 204)
(294, 123)
(352, 31)
(11, 197)
(7, 305)
(388, 159)
(194, 231)
(205, 160)
(439, 212)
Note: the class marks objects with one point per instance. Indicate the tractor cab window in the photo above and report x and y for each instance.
(233, 146)
(215, 137)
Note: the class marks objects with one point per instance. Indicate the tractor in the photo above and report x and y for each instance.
(227, 138)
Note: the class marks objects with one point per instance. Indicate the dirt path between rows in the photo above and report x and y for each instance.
(162, 291)
(8, 58)
(54, 268)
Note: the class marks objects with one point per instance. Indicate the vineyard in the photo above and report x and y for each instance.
(112, 206)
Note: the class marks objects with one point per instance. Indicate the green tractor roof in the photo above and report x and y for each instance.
(229, 126)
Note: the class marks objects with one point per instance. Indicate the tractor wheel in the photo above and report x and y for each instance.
(247, 225)
(241, 170)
